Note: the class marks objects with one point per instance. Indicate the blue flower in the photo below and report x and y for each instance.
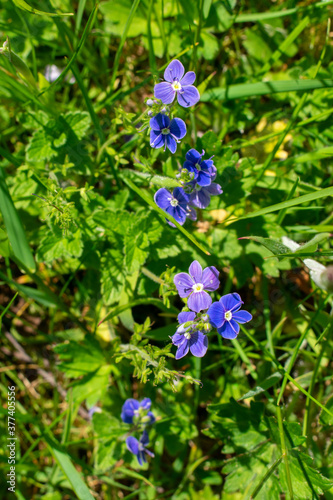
(225, 315)
(138, 448)
(177, 83)
(165, 132)
(174, 204)
(188, 338)
(133, 409)
(202, 170)
(200, 196)
(195, 284)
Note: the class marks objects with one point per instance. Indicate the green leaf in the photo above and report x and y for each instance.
(263, 88)
(263, 386)
(15, 231)
(80, 359)
(275, 246)
(136, 245)
(312, 245)
(263, 16)
(21, 4)
(63, 460)
(147, 300)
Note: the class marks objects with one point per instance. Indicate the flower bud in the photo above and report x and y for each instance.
(20, 66)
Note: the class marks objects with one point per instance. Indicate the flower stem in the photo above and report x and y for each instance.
(284, 451)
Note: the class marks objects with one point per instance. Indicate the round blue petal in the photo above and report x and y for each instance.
(174, 71)
(193, 156)
(214, 189)
(188, 96)
(159, 122)
(183, 283)
(229, 330)
(162, 198)
(216, 314)
(200, 199)
(132, 445)
(242, 316)
(171, 143)
(183, 349)
(231, 302)
(165, 92)
(177, 213)
(188, 79)
(198, 344)
(144, 439)
(180, 195)
(204, 178)
(185, 316)
(210, 279)
(157, 139)
(198, 301)
(195, 271)
(178, 128)
(145, 404)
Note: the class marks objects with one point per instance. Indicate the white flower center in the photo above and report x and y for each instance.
(198, 287)
(174, 202)
(228, 315)
(187, 335)
(176, 86)
(165, 131)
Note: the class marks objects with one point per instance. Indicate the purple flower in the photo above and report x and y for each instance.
(187, 338)
(174, 204)
(133, 408)
(177, 83)
(225, 315)
(165, 132)
(138, 448)
(200, 196)
(195, 284)
(203, 170)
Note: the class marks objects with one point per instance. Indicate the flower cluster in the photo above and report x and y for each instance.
(139, 415)
(197, 175)
(224, 315)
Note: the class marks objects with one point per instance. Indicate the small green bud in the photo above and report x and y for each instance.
(20, 66)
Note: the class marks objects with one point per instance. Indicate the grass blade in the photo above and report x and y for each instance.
(147, 300)
(66, 465)
(15, 231)
(263, 88)
(262, 16)
(21, 4)
(287, 204)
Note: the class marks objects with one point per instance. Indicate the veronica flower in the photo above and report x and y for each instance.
(133, 408)
(187, 338)
(138, 448)
(203, 170)
(165, 132)
(195, 284)
(177, 83)
(226, 316)
(174, 204)
(200, 196)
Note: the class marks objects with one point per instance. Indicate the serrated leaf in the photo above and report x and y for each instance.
(112, 275)
(136, 246)
(80, 359)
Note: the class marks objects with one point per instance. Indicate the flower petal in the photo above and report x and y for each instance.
(214, 189)
(132, 445)
(174, 71)
(178, 338)
(198, 344)
(156, 139)
(171, 143)
(178, 128)
(183, 284)
(185, 316)
(182, 350)
(204, 178)
(162, 198)
(231, 301)
(191, 213)
(146, 404)
(195, 271)
(191, 168)
(198, 301)
(188, 79)
(200, 199)
(181, 196)
(141, 457)
(188, 96)
(177, 213)
(229, 330)
(144, 439)
(152, 417)
(216, 314)
(128, 409)
(242, 316)
(165, 92)
(210, 279)
(193, 156)
(159, 122)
